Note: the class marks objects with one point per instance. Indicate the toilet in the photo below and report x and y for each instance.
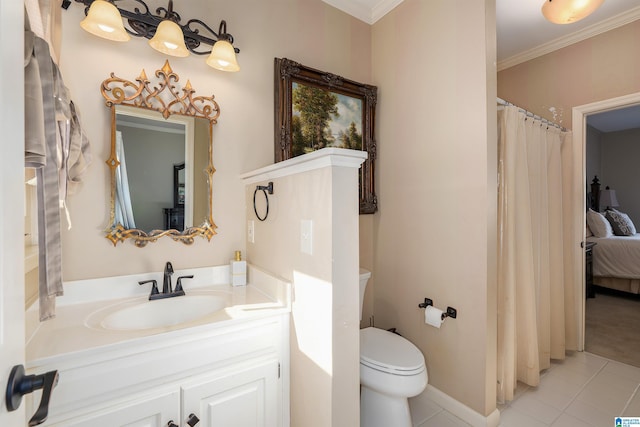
(392, 369)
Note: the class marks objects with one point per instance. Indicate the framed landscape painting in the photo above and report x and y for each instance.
(315, 109)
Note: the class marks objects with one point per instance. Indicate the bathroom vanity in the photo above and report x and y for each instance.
(229, 367)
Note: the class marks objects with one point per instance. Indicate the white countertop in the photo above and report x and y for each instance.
(73, 330)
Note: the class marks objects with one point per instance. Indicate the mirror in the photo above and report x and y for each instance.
(161, 160)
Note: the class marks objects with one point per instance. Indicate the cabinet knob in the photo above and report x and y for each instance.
(172, 424)
(192, 420)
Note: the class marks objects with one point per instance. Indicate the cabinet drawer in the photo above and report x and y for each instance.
(154, 410)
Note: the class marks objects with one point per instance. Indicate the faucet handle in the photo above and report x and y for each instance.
(179, 284)
(154, 286)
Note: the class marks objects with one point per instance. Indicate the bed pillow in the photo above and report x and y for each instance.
(620, 223)
(598, 224)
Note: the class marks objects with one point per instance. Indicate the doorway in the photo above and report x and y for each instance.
(579, 116)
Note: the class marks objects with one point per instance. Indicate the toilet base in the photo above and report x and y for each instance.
(382, 410)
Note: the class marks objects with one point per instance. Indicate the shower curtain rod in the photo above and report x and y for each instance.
(530, 114)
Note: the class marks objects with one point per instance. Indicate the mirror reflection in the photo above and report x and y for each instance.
(161, 159)
(161, 180)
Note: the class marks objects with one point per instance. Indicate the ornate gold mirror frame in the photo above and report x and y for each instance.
(166, 99)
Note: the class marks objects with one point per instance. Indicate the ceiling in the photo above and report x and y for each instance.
(616, 120)
(522, 31)
(524, 34)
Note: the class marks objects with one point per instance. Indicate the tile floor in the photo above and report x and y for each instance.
(584, 390)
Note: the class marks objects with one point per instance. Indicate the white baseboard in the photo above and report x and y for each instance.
(458, 409)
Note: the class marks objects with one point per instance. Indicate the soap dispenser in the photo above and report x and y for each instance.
(238, 269)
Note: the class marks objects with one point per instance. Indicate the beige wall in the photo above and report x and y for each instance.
(599, 68)
(620, 152)
(308, 31)
(324, 326)
(435, 233)
(592, 154)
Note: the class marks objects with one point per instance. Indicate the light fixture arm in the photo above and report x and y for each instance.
(142, 23)
(169, 13)
(192, 33)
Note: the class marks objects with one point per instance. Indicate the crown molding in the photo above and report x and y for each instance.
(363, 11)
(382, 8)
(591, 31)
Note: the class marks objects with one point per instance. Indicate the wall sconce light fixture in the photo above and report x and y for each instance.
(164, 31)
(569, 11)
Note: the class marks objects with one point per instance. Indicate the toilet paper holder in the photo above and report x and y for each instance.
(451, 312)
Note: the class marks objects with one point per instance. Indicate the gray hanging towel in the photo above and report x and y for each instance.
(41, 129)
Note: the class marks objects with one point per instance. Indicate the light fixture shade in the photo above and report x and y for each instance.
(569, 11)
(169, 39)
(223, 57)
(104, 20)
(608, 198)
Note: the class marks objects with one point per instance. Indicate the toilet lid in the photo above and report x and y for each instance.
(389, 352)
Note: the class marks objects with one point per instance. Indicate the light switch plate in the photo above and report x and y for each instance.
(251, 231)
(306, 236)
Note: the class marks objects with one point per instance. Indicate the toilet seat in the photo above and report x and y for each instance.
(390, 353)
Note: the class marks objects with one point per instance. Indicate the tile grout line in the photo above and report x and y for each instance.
(573, 399)
(606, 361)
(441, 409)
(635, 392)
(630, 399)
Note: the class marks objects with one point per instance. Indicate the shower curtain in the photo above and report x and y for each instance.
(535, 283)
(123, 207)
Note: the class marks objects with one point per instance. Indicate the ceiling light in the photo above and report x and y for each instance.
(569, 11)
(164, 31)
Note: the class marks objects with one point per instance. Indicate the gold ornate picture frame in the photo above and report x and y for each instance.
(164, 97)
(315, 109)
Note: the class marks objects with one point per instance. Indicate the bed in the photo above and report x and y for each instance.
(616, 262)
(616, 259)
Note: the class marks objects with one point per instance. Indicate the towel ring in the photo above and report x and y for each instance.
(264, 188)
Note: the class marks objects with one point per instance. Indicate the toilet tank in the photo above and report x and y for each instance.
(364, 278)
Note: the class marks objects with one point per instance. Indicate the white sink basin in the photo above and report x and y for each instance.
(161, 313)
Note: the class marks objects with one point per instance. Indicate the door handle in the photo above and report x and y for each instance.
(20, 384)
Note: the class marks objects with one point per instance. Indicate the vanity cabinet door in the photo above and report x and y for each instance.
(242, 397)
(150, 411)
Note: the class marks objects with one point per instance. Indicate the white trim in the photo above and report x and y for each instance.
(307, 162)
(122, 121)
(363, 11)
(355, 9)
(457, 408)
(579, 120)
(561, 42)
(382, 8)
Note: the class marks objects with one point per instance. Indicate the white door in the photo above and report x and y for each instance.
(11, 200)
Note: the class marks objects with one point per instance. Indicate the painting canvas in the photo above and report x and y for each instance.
(321, 118)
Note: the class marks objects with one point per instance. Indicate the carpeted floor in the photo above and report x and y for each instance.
(613, 326)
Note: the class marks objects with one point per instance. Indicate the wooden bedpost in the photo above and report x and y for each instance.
(595, 194)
